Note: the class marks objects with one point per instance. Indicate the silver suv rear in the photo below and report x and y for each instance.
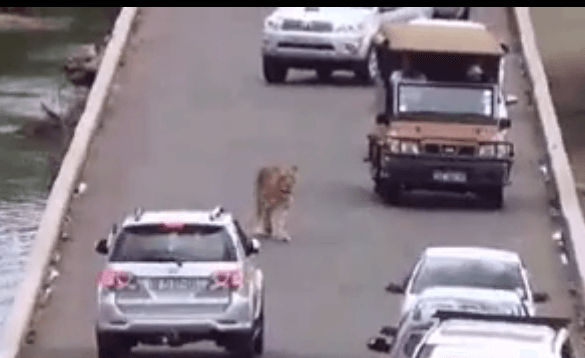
(176, 277)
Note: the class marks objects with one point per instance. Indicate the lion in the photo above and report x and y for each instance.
(274, 195)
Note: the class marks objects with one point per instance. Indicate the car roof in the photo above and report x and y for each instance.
(472, 252)
(177, 216)
(430, 36)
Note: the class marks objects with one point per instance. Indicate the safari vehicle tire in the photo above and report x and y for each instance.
(324, 74)
(109, 346)
(493, 196)
(274, 72)
(366, 71)
(390, 192)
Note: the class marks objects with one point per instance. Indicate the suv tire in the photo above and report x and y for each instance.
(365, 71)
(390, 193)
(251, 344)
(274, 72)
(109, 346)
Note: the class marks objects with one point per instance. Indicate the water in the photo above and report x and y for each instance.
(30, 72)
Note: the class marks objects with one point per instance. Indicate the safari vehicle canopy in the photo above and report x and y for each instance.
(442, 49)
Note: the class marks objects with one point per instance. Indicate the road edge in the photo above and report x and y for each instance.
(562, 173)
(49, 230)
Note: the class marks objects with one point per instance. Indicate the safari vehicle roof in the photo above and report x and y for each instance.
(439, 37)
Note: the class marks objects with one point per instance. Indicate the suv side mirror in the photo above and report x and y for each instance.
(395, 288)
(389, 331)
(379, 344)
(254, 246)
(505, 47)
(540, 297)
(505, 123)
(101, 247)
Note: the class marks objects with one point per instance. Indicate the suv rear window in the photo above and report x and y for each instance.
(164, 243)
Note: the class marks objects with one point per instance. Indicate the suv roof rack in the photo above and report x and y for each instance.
(138, 211)
(216, 213)
(554, 322)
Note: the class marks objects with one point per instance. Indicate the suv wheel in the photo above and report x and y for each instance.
(368, 69)
(258, 336)
(274, 72)
(109, 346)
(250, 345)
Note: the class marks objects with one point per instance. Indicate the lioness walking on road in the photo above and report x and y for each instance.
(274, 195)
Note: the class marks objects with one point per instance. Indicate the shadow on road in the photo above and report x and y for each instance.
(309, 79)
(440, 201)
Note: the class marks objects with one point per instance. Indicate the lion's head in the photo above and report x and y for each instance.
(287, 180)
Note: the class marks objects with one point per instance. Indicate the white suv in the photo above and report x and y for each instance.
(175, 277)
(327, 39)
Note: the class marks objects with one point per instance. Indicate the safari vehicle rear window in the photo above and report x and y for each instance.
(174, 243)
(428, 99)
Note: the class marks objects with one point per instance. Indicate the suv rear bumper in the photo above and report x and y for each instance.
(417, 172)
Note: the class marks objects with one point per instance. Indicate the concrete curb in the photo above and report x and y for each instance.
(559, 161)
(21, 313)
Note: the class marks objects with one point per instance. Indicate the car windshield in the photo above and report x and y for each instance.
(414, 98)
(468, 272)
(164, 243)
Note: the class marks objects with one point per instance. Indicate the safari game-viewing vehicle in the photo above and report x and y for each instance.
(440, 129)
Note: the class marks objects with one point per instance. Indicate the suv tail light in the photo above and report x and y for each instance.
(115, 280)
(233, 279)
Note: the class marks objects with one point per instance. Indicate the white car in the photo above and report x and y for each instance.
(327, 39)
(462, 335)
(468, 267)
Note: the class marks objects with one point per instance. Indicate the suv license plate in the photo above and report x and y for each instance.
(450, 177)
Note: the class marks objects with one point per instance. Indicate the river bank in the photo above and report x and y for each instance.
(31, 74)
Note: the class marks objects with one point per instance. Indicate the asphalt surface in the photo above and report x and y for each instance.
(191, 122)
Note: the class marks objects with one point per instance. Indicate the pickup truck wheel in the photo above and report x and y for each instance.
(109, 346)
(274, 72)
(493, 196)
(324, 74)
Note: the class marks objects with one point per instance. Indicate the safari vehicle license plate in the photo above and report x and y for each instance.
(449, 177)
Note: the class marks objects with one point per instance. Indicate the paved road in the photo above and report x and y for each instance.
(192, 121)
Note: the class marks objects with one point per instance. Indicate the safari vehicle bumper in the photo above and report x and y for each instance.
(445, 173)
(305, 49)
